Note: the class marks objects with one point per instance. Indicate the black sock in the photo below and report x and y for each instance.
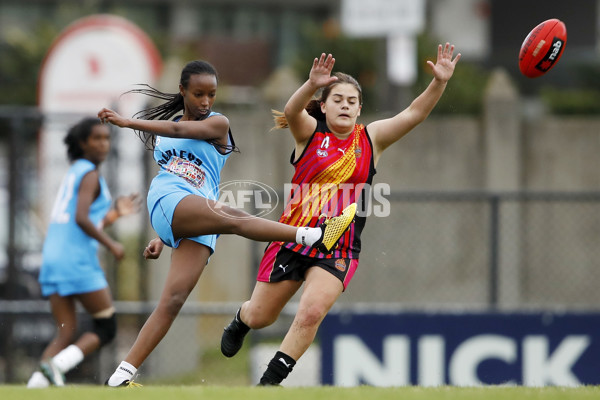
(278, 369)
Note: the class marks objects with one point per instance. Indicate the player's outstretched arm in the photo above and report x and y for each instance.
(387, 131)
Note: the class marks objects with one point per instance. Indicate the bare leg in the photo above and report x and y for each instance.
(195, 215)
(266, 302)
(93, 303)
(187, 263)
(321, 290)
(263, 308)
(63, 311)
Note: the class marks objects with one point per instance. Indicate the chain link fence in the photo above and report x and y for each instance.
(496, 250)
(434, 251)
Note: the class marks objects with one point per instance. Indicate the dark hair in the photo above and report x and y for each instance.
(174, 103)
(314, 106)
(80, 132)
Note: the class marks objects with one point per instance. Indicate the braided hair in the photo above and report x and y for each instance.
(314, 106)
(174, 104)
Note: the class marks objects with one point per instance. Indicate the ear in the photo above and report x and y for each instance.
(181, 90)
(322, 107)
(359, 108)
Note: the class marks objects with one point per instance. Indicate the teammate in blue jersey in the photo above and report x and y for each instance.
(191, 150)
(71, 271)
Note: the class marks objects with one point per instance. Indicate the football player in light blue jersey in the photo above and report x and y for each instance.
(70, 269)
(191, 150)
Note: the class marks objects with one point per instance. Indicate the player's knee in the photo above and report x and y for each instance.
(105, 329)
(311, 316)
(237, 222)
(258, 320)
(174, 303)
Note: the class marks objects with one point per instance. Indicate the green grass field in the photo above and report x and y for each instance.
(149, 392)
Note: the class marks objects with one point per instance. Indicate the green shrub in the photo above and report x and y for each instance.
(571, 101)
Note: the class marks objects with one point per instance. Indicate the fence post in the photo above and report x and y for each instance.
(494, 250)
(504, 164)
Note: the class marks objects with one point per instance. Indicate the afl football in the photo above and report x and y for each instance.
(542, 48)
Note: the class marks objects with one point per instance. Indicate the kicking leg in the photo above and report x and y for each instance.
(196, 215)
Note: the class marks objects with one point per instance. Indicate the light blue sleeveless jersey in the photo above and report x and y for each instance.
(70, 256)
(187, 166)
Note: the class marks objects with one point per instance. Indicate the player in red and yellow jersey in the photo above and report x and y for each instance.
(330, 174)
(334, 160)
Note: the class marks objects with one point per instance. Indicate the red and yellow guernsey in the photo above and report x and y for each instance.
(330, 174)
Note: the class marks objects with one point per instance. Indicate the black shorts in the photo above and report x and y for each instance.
(280, 264)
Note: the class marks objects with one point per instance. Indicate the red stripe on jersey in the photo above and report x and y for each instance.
(329, 175)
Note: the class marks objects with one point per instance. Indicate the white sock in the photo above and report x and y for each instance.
(308, 236)
(38, 381)
(124, 371)
(68, 358)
